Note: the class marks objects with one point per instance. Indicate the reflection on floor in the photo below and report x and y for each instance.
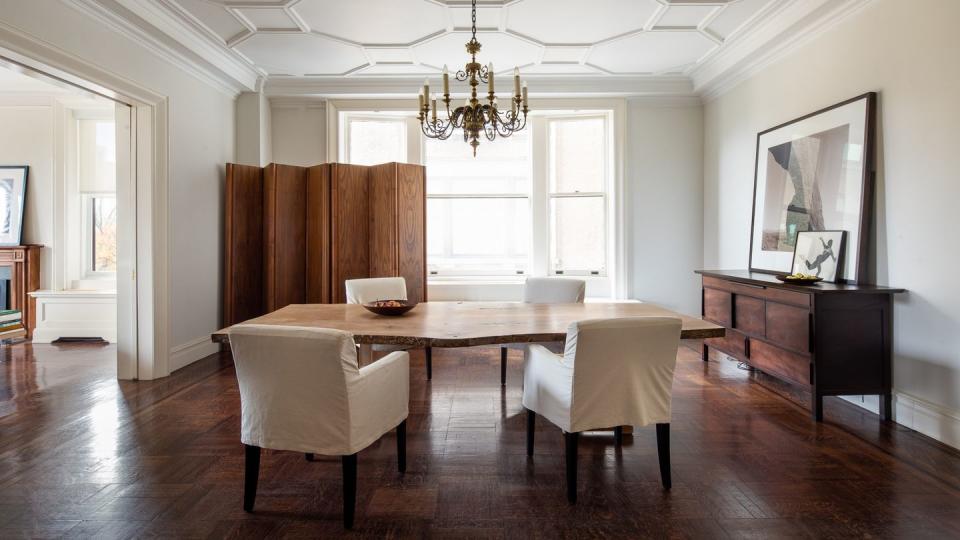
(83, 455)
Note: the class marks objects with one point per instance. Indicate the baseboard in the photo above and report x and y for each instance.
(930, 419)
(187, 353)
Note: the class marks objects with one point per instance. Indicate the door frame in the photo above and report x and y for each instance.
(149, 130)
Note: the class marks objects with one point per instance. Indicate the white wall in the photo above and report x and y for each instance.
(299, 133)
(201, 139)
(909, 55)
(664, 179)
(27, 138)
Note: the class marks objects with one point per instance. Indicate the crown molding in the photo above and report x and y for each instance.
(150, 26)
(783, 28)
(404, 87)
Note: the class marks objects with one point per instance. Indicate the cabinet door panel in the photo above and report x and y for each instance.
(788, 326)
(748, 314)
(718, 307)
(782, 363)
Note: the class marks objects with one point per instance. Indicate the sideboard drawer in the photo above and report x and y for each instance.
(733, 343)
(748, 314)
(788, 326)
(780, 362)
(718, 307)
(784, 296)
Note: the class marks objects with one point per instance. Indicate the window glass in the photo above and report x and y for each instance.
(578, 234)
(375, 141)
(104, 234)
(577, 154)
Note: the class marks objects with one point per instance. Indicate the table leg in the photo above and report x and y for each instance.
(428, 352)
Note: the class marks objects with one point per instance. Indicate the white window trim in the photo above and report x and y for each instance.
(86, 210)
(614, 284)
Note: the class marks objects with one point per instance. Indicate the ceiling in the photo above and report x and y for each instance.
(394, 38)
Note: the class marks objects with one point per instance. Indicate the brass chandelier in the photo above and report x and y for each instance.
(473, 116)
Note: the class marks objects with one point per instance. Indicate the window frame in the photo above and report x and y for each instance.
(88, 237)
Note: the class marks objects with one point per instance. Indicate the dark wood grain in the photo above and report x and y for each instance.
(349, 228)
(243, 244)
(284, 236)
(788, 326)
(319, 256)
(83, 455)
(776, 361)
(749, 315)
(412, 229)
(384, 256)
(718, 306)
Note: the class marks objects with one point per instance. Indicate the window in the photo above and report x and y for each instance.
(577, 169)
(96, 195)
(372, 140)
(478, 208)
(104, 234)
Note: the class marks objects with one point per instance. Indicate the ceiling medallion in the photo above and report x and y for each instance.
(474, 117)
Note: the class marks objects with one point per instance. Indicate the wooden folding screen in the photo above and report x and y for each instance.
(295, 234)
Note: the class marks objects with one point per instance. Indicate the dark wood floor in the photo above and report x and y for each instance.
(82, 455)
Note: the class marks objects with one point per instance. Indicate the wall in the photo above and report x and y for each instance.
(201, 139)
(27, 138)
(907, 54)
(664, 180)
(299, 133)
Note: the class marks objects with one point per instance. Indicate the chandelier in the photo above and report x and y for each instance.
(474, 116)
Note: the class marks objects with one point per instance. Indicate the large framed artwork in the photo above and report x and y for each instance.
(13, 192)
(815, 173)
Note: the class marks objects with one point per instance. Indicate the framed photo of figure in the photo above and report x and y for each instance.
(13, 193)
(815, 173)
(819, 253)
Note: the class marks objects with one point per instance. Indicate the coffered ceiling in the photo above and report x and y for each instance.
(384, 38)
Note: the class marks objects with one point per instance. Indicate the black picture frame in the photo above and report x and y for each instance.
(840, 254)
(15, 238)
(859, 252)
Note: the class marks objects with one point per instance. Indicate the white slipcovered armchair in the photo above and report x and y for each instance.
(545, 290)
(613, 372)
(301, 390)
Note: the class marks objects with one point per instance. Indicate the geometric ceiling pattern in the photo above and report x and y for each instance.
(384, 38)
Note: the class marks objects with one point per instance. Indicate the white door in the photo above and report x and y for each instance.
(126, 246)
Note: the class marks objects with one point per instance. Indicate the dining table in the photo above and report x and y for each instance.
(468, 324)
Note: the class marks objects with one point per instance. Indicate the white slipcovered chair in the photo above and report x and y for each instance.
(613, 372)
(301, 390)
(362, 291)
(545, 290)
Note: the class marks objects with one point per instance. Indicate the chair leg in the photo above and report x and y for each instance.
(308, 456)
(250, 475)
(349, 489)
(618, 436)
(571, 440)
(428, 352)
(402, 446)
(663, 452)
(503, 366)
(531, 424)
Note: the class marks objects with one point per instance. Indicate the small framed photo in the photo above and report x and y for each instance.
(13, 192)
(819, 253)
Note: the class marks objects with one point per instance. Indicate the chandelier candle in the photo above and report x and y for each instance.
(473, 117)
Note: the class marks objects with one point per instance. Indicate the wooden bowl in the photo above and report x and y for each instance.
(794, 281)
(390, 310)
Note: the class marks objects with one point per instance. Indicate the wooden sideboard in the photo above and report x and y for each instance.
(24, 263)
(831, 338)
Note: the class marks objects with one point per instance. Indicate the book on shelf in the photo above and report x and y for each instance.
(13, 333)
(7, 315)
(10, 326)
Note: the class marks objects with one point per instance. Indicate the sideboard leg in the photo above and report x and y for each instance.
(886, 407)
(816, 407)
(706, 353)
(428, 352)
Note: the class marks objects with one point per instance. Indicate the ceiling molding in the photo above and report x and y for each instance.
(553, 86)
(784, 27)
(143, 22)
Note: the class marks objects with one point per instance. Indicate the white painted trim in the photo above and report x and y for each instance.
(120, 19)
(151, 116)
(789, 26)
(934, 421)
(191, 351)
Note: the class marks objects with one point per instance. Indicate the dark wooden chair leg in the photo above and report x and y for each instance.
(705, 354)
(349, 489)
(503, 366)
(531, 424)
(816, 407)
(308, 456)
(618, 436)
(571, 440)
(428, 352)
(250, 475)
(663, 452)
(402, 446)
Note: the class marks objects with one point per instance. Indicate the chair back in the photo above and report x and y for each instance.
(362, 291)
(294, 385)
(554, 290)
(622, 371)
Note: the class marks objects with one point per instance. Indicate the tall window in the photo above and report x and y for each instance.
(478, 208)
(97, 193)
(577, 169)
(372, 140)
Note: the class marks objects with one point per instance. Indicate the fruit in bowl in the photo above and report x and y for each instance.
(389, 307)
(799, 278)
